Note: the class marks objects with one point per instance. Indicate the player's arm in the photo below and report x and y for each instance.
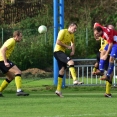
(109, 49)
(3, 52)
(73, 49)
(110, 41)
(63, 44)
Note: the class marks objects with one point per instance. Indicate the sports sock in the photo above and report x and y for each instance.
(59, 85)
(101, 65)
(4, 84)
(110, 69)
(18, 82)
(94, 69)
(73, 72)
(108, 87)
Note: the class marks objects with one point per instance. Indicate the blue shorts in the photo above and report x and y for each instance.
(113, 52)
(106, 47)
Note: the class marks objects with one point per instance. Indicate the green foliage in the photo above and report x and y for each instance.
(36, 50)
(32, 52)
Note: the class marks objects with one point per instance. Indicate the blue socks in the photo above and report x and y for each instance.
(101, 65)
(110, 69)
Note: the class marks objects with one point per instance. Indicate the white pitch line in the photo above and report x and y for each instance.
(82, 115)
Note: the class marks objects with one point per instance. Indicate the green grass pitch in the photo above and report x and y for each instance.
(81, 101)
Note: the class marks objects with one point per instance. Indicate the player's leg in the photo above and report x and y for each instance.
(108, 84)
(73, 72)
(9, 76)
(113, 55)
(108, 87)
(111, 66)
(17, 76)
(5, 83)
(102, 61)
(60, 57)
(60, 79)
(96, 66)
(18, 80)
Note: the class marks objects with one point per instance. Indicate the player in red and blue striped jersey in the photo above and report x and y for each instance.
(111, 48)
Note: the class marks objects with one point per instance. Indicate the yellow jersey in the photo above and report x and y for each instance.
(103, 44)
(10, 44)
(66, 38)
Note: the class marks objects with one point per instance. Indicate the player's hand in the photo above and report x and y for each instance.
(7, 64)
(72, 53)
(69, 47)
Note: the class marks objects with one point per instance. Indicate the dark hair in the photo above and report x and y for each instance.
(16, 33)
(72, 24)
(98, 28)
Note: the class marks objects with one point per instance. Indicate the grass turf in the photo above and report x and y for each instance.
(78, 101)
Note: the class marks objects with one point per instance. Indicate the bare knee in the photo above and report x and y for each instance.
(71, 62)
(18, 72)
(111, 59)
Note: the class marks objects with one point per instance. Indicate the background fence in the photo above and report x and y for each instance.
(84, 73)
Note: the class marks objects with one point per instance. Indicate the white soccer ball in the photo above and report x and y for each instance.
(42, 29)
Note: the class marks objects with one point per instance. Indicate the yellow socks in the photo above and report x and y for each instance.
(18, 82)
(59, 85)
(73, 72)
(94, 69)
(108, 87)
(4, 84)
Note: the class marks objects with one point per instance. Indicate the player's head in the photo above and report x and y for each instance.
(98, 32)
(17, 35)
(110, 26)
(72, 27)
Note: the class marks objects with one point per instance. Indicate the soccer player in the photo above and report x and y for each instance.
(111, 48)
(65, 40)
(9, 68)
(96, 66)
(100, 52)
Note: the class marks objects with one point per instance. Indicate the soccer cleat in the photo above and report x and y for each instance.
(59, 93)
(77, 82)
(21, 93)
(1, 95)
(108, 95)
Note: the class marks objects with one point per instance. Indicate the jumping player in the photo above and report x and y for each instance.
(64, 39)
(111, 48)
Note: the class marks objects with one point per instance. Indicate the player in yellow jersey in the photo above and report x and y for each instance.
(96, 66)
(9, 68)
(65, 40)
